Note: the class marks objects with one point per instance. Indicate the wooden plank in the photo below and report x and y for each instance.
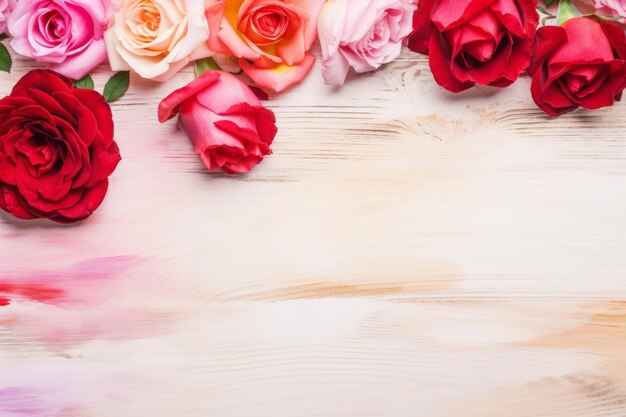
(403, 252)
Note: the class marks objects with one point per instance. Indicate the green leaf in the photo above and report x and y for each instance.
(85, 82)
(116, 86)
(546, 15)
(204, 65)
(549, 3)
(567, 11)
(5, 59)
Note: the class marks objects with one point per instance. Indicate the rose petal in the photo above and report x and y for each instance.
(168, 108)
(279, 77)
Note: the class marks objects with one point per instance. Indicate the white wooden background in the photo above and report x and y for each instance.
(404, 252)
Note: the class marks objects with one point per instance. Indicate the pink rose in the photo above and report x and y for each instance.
(362, 34)
(229, 127)
(67, 34)
(5, 8)
(610, 7)
(271, 38)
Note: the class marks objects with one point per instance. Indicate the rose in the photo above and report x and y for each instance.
(470, 42)
(271, 38)
(68, 34)
(56, 149)
(157, 38)
(362, 34)
(5, 8)
(581, 63)
(229, 127)
(610, 7)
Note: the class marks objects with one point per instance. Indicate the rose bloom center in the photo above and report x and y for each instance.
(144, 20)
(480, 45)
(270, 23)
(50, 27)
(38, 149)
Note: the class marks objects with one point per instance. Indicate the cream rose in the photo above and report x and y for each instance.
(157, 38)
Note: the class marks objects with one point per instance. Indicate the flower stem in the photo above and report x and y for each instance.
(204, 65)
(566, 11)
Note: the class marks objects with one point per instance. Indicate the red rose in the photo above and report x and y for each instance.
(225, 120)
(56, 149)
(469, 42)
(581, 63)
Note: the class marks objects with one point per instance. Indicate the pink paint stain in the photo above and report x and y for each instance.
(72, 285)
(56, 307)
(33, 292)
(20, 401)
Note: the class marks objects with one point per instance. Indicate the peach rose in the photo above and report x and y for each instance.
(271, 38)
(157, 38)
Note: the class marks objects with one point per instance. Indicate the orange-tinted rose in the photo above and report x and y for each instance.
(271, 38)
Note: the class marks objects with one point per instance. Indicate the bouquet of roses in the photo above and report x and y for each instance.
(57, 149)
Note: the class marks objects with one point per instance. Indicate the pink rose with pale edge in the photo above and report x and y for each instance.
(362, 34)
(225, 120)
(271, 38)
(5, 8)
(157, 38)
(67, 34)
(610, 7)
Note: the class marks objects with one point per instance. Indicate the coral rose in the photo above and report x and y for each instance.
(271, 38)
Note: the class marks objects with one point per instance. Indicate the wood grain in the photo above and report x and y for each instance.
(404, 252)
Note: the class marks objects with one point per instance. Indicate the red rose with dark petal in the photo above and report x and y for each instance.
(581, 63)
(470, 42)
(56, 149)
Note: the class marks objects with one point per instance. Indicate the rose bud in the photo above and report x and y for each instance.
(366, 43)
(581, 63)
(225, 120)
(472, 42)
(56, 149)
